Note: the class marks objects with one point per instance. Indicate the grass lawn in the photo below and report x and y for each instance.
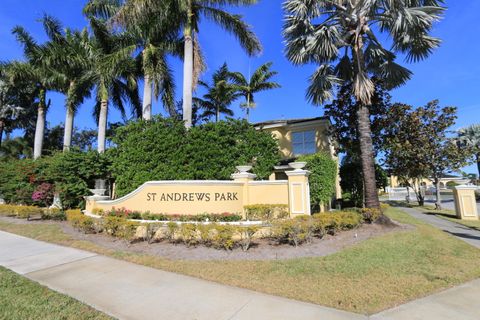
(451, 216)
(372, 276)
(23, 299)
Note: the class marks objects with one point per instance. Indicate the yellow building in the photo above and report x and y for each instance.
(297, 137)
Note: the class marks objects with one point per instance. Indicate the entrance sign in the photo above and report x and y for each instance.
(213, 197)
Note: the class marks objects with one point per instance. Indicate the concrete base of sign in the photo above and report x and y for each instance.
(213, 197)
(465, 202)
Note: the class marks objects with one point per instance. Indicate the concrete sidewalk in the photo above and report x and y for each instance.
(128, 291)
(462, 232)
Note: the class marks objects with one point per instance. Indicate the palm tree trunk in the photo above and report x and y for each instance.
(102, 125)
(478, 163)
(67, 136)
(2, 127)
(40, 126)
(217, 115)
(188, 74)
(147, 99)
(367, 158)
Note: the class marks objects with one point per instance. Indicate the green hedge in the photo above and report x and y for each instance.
(323, 177)
(162, 149)
(71, 174)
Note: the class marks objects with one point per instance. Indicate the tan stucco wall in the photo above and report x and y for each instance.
(223, 197)
(270, 193)
(197, 197)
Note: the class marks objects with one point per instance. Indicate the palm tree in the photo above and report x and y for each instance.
(187, 15)
(67, 55)
(221, 93)
(34, 71)
(155, 39)
(470, 137)
(259, 81)
(341, 36)
(113, 73)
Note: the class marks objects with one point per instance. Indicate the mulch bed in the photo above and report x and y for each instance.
(261, 249)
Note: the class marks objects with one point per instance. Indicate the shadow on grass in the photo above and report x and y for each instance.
(464, 235)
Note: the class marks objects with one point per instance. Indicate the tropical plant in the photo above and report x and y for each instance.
(67, 54)
(187, 14)
(34, 71)
(113, 73)
(470, 137)
(221, 93)
(155, 37)
(342, 37)
(259, 81)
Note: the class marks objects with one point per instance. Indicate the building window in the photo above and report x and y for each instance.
(304, 142)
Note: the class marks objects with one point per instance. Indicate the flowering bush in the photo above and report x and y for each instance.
(131, 214)
(43, 194)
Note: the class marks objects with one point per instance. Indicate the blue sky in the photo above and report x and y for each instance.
(451, 74)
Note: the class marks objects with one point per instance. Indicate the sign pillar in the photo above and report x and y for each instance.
(298, 192)
(245, 178)
(465, 202)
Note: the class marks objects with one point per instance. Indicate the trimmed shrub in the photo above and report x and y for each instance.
(189, 234)
(222, 237)
(370, 215)
(162, 149)
(54, 214)
(7, 210)
(80, 221)
(266, 212)
(293, 231)
(246, 236)
(25, 212)
(322, 178)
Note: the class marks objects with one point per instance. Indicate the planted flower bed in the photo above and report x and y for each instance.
(137, 215)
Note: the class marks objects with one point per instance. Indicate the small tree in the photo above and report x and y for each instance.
(417, 144)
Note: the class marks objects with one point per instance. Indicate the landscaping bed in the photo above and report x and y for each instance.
(370, 276)
(262, 249)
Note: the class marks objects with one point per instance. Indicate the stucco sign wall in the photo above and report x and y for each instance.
(214, 197)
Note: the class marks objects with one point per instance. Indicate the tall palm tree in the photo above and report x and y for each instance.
(155, 39)
(342, 37)
(34, 71)
(113, 73)
(259, 81)
(470, 137)
(67, 55)
(221, 93)
(187, 14)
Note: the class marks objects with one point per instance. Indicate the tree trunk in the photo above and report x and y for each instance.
(102, 125)
(2, 127)
(478, 164)
(147, 99)
(188, 77)
(247, 115)
(67, 136)
(40, 126)
(366, 154)
(438, 200)
(217, 115)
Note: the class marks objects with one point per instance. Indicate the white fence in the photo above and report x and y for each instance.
(401, 194)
